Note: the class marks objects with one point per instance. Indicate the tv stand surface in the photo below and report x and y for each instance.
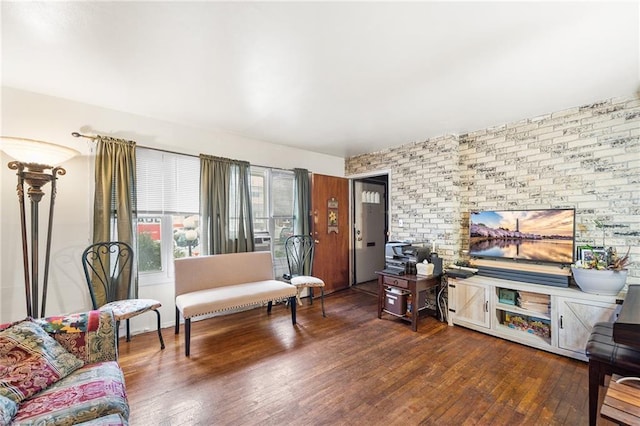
(475, 303)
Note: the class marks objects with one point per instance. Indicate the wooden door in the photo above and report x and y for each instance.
(330, 230)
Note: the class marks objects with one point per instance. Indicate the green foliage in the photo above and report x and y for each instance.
(148, 254)
(178, 252)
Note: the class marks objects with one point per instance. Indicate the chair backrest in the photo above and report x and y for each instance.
(299, 250)
(108, 269)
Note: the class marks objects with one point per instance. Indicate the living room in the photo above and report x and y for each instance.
(583, 155)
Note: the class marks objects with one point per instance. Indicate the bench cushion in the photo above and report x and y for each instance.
(219, 299)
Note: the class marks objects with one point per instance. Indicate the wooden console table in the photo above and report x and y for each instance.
(412, 283)
(622, 402)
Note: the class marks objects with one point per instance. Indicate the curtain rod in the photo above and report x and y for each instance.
(80, 135)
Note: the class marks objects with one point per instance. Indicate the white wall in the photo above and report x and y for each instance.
(52, 119)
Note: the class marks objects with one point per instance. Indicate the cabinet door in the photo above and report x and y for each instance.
(576, 318)
(470, 303)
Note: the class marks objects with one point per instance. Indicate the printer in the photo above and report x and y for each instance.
(401, 257)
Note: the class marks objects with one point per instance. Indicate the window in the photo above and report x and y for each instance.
(168, 187)
(272, 203)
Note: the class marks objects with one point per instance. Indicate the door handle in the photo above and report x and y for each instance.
(316, 241)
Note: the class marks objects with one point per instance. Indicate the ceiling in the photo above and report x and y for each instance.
(331, 77)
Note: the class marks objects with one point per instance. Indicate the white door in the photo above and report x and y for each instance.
(469, 303)
(369, 228)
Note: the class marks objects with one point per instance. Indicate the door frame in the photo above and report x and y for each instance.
(352, 232)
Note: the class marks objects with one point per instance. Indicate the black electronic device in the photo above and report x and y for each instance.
(394, 271)
(402, 256)
(458, 273)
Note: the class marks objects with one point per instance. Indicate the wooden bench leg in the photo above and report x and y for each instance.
(187, 336)
(177, 321)
(269, 306)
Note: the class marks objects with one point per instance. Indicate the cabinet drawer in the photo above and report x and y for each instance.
(396, 282)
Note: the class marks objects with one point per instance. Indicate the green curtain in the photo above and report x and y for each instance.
(114, 207)
(225, 205)
(301, 202)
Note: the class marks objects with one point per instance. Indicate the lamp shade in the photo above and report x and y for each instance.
(38, 152)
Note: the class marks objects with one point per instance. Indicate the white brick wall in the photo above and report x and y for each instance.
(586, 157)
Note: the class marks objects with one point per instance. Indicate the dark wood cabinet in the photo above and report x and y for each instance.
(414, 285)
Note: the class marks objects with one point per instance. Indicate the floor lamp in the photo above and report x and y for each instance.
(31, 165)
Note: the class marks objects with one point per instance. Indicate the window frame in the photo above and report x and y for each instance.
(170, 207)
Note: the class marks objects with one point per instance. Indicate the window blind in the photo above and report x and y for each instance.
(167, 183)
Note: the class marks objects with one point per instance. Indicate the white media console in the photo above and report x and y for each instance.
(488, 304)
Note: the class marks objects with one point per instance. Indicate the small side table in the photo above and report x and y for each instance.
(412, 283)
(622, 402)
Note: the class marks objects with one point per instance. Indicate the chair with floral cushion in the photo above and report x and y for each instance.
(108, 269)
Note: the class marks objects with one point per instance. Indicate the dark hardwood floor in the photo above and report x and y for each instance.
(350, 368)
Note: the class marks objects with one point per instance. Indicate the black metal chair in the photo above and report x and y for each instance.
(299, 250)
(108, 269)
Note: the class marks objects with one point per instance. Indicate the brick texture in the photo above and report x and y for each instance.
(587, 158)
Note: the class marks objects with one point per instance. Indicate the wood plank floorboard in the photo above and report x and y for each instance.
(350, 368)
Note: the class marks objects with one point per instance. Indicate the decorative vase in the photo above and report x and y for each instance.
(605, 282)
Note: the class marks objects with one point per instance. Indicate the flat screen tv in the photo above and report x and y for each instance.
(542, 236)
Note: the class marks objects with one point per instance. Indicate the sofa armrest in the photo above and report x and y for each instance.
(90, 336)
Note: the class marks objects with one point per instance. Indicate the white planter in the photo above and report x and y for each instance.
(603, 282)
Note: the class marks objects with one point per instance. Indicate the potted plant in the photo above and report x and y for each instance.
(602, 273)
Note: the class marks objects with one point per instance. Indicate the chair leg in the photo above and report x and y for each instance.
(311, 295)
(177, 320)
(159, 332)
(292, 302)
(269, 306)
(187, 336)
(322, 301)
(128, 331)
(117, 336)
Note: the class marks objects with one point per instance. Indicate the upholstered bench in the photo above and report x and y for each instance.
(606, 358)
(226, 282)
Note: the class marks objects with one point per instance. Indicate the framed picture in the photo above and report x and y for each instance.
(589, 253)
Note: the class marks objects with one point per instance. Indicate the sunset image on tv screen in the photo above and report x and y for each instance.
(532, 235)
